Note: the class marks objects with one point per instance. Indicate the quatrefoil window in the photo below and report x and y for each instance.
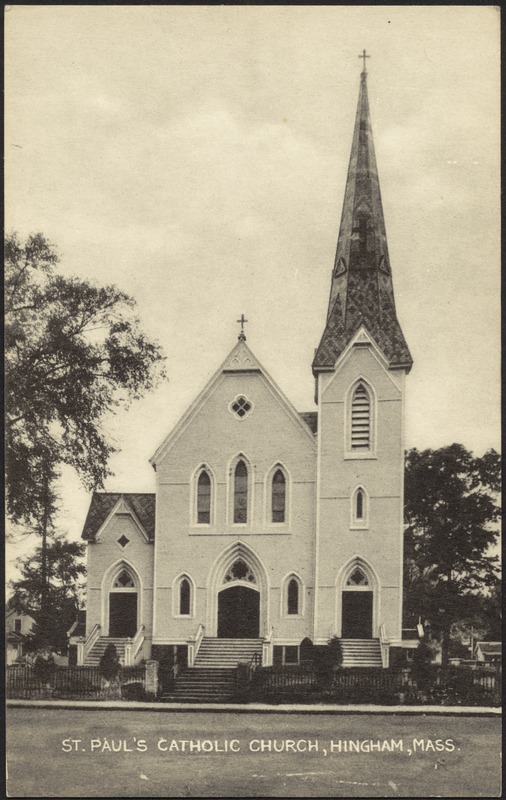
(124, 581)
(239, 571)
(241, 406)
(357, 578)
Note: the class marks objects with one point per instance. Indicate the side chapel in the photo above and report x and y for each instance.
(269, 526)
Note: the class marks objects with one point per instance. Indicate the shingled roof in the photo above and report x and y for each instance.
(311, 419)
(102, 503)
(361, 290)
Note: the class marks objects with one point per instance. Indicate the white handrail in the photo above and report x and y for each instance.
(267, 649)
(385, 646)
(133, 646)
(194, 643)
(84, 645)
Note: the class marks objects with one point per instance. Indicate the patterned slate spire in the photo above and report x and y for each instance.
(361, 291)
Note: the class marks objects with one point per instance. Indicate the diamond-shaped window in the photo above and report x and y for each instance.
(123, 541)
(241, 406)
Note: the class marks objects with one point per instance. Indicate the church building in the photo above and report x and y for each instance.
(271, 526)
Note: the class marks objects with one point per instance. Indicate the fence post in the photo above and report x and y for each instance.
(151, 679)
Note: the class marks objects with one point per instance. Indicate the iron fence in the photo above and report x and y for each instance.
(23, 681)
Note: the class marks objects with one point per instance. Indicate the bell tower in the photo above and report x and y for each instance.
(360, 367)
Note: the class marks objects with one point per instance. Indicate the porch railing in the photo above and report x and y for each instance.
(133, 646)
(194, 644)
(267, 649)
(84, 647)
(385, 646)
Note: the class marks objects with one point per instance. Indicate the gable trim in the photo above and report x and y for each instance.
(207, 392)
(129, 510)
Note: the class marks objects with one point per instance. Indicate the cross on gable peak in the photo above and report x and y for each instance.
(241, 322)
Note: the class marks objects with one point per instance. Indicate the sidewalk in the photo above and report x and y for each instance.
(258, 708)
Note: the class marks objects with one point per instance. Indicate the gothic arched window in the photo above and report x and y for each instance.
(204, 498)
(293, 597)
(184, 597)
(240, 493)
(278, 496)
(359, 505)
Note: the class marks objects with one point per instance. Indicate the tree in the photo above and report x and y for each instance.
(74, 353)
(50, 590)
(450, 514)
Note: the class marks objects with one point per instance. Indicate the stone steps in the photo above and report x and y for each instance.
(226, 653)
(195, 685)
(98, 649)
(361, 653)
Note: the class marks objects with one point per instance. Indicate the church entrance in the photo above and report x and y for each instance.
(238, 613)
(357, 615)
(122, 614)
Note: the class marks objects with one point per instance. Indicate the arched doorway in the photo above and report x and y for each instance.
(239, 604)
(357, 606)
(123, 606)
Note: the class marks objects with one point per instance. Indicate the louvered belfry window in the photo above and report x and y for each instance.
(204, 499)
(241, 493)
(360, 419)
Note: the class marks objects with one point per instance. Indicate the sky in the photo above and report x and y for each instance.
(196, 157)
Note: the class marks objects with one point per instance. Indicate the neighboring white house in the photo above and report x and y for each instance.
(269, 524)
(17, 626)
(489, 652)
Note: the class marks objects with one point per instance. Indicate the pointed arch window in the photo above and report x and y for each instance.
(359, 508)
(204, 498)
(359, 504)
(184, 597)
(278, 496)
(240, 493)
(361, 419)
(293, 597)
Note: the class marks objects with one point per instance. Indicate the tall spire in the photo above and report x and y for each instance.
(361, 291)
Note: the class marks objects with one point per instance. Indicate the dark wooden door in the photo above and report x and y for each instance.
(357, 615)
(122, 614)
(238, 613)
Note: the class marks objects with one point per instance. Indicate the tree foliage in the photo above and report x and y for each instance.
(53, 600)
(451, 513)
(74, 353)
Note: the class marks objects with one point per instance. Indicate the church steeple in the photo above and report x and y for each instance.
(361, 290)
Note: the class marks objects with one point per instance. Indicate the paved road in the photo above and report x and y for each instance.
(72, 753)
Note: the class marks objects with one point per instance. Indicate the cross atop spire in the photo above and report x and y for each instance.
(242, 335)
(364, 56)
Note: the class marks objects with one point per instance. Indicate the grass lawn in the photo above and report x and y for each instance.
(115, 753)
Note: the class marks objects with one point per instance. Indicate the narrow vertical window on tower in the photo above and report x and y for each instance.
(278, 497)
(204, 498)
(361, 419)
(240, 493)
(359, 508)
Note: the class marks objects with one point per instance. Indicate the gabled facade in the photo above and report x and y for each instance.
(267, 524)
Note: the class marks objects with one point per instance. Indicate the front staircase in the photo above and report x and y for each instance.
(226, 653)
(213, 677)
(92, 659)
(206, 685)
(361, 653)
